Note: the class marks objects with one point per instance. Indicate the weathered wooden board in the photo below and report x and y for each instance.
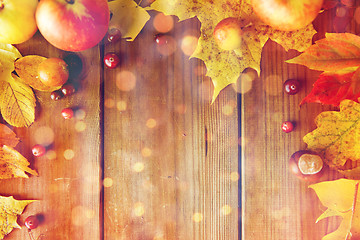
(168, 153)
(275, 204)
(69, 182)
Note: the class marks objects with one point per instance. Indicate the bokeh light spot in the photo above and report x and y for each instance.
(226, 210)
(139, 209)
(80, 114)
(138, 167)
(69, 154)
(151, 123)
(44, 136)
(180, 108)
(125, 80)
(50, 154)
(80, 126)
(146, 152)
(163, 23)
(197, 217)
(109, 103)
(273, 85)
(80, 215)
(341, 12)
(244, 82)
(169, 46)
(234, 176)
(108, 182)
(227, 110)
(188, 45)
(121, 106)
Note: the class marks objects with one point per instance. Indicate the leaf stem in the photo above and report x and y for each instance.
(348, 235)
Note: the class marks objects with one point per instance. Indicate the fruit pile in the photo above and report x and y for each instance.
(76, 30)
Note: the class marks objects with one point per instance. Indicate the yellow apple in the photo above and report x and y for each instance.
(228, 33)
(17, 20)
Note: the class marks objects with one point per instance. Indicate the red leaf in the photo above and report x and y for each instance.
(329, 4)
(332, 89)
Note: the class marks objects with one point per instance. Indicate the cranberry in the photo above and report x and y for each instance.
(38, 150)
(113, 35)
(56, 95)
(111, 60)
(31, 222)
(287, 126)
(306, 165)
(161, 39)
(67, 113)
(68, 89)
(291, 86)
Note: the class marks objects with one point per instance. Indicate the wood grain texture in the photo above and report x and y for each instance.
(275, 204)
(67, 190)
(168, 153)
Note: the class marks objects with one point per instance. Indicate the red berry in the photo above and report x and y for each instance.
(287, 126)
(56, 95)
(38, 150)
(113, 35)
(31, 222)
(111, 60)
(291, 86)
(161, 39)
(67, 89)
(67, 113)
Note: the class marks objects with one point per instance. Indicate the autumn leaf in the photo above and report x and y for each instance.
(337, 135)
(7, 136)
(128, 17)
(10, 209)
(17, 102)
(27, 69)
(335, 52)
(225, 67)
(342, 198)
(13, 164)
(332, 88)
(8, 54)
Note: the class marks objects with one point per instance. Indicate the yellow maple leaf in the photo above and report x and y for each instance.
(342, 198)
(337, 134)
(10, 209)
(128, 17)
(13, 164)
(225, 67)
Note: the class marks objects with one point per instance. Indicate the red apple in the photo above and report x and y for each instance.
(73, 25)
(287, 15)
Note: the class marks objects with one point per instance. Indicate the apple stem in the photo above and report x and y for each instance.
(70, 1)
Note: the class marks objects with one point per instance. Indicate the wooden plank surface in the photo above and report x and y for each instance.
(68, 187)
(152, 158)
(169, 154)
(277, 205)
